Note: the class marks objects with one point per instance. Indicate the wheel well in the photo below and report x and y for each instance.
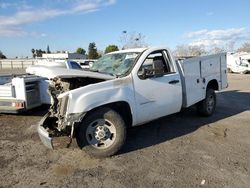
(213, 84)
(120, 107)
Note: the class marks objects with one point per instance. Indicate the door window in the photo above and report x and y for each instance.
(155, 65)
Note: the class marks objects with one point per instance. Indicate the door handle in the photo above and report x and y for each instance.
(174, 81)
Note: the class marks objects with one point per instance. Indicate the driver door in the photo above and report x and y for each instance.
(157, 92)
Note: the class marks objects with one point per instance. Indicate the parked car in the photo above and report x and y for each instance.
(46, 63)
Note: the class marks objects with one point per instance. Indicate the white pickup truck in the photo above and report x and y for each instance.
(128, 88)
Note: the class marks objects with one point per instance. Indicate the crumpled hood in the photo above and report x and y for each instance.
(52, 72)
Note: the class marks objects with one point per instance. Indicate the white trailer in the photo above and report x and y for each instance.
(18, 94)
(238, 62)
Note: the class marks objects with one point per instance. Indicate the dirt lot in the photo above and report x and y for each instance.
(183, 150)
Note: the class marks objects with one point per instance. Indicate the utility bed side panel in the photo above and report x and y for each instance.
(192, 83)
(210, 66)
(198, 71)
(223, 66)
(27, 89)
(7, 91)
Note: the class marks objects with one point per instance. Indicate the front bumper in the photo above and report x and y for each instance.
(53, 139)
(44, 136)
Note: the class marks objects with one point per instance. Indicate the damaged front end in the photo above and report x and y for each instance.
(57, 127)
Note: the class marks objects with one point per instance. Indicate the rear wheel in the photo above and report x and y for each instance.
(244, 72)
(102, 133)
(207, 106)
(229, 70)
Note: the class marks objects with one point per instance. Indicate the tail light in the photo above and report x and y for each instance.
(18, 104)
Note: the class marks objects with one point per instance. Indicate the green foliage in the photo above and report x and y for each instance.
(111, 48)
(81, 51)
(92, 51)
(2, 56)
(33, 52)
(37, 52)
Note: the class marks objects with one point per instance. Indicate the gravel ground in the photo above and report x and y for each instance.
(182, 150)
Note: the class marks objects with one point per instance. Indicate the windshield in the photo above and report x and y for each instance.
(115, 64)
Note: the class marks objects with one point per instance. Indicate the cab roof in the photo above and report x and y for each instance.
(138, 50)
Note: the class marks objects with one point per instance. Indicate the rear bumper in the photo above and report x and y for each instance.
(12, 106)
(44, 136)
(11, 110)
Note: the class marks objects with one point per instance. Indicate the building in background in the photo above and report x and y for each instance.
(65, 55)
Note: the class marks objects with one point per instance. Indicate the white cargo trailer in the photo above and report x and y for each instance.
(20, 93)
(238, 62)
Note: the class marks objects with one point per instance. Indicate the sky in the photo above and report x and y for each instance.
(69, 24)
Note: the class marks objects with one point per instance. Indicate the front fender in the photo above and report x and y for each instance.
(89, 97)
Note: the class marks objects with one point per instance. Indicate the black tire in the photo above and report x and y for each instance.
(87, 133)
(207, 106)
(229, 70)
(244, 72)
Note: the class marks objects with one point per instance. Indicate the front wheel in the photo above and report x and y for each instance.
(207, 106)
(102, 133)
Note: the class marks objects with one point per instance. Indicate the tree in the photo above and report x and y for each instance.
(2, 56)
(188, 50)
(216, 50)
(48, 50)
(132, 40)
(39, 52)
(111, 48)
(81, 51)
(92, 51)
(33, 52)
(100, 54)
(245, 47)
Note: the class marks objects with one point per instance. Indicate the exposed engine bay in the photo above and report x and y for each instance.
(55, 121)
(61, 85)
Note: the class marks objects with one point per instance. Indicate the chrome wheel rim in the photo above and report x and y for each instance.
(101, 133)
